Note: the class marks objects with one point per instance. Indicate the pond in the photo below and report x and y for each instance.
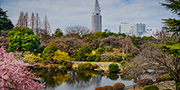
(56, 79)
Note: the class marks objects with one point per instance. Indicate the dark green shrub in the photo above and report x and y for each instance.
(80, 55)
(98, 58)
(113, 67)
(80, 67)
(151, 87)
(118, 86)
(146, 81)
(166, 77)
(94, 58)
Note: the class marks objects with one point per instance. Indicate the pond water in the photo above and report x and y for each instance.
(56, 79)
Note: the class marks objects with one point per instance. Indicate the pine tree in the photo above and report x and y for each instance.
(172, 23)
(5, 23)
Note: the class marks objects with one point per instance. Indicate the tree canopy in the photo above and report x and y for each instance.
(5, 23)
(172, 23)
(58, 33)
(22, 39)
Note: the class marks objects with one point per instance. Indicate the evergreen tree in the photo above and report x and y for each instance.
(5, 23)
(172, 23)
(58, 33)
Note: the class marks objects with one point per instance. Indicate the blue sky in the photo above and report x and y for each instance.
(64, 13)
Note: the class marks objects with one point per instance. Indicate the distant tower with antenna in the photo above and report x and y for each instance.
(96, 18)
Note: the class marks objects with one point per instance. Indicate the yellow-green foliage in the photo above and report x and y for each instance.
(32, 58)
(48, 53)
(151, 87)
(87, 66)
(58, 55)
(165, 77)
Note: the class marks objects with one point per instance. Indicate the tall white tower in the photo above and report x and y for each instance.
(96, 18)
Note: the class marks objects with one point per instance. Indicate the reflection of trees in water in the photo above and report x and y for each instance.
(113, 76)
(83, 79)
(52, 77)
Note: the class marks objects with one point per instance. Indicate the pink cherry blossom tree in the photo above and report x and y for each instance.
(14, 74)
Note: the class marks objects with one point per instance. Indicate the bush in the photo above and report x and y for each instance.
(99, 88)
(105, 88)
(146, 81)
(108, 87)
(87, 66)
(113, 67)
(23, 39)
(151, 87)
(80, 67)
(119, 86)
(166, 77)
(66, 65)
(49, 53)
(94, 58)
(80, 55)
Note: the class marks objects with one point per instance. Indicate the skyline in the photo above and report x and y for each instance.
(62, 14)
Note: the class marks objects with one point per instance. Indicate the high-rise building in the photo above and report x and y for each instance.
(139, 29)
(124, 28)
(96, 18)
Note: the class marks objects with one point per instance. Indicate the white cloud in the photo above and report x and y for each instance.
(63, 13)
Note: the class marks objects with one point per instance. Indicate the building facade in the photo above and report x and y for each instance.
(124, 28)
(139, 29)
(96, 18)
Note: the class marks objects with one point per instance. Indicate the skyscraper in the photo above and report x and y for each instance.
(96, 18)
(139, 29)
(124, 28)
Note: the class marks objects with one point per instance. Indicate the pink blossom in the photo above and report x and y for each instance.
(14, 74)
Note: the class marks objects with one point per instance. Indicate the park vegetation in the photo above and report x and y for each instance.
(32, 43)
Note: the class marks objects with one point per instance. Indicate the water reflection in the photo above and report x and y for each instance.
(56, 79)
